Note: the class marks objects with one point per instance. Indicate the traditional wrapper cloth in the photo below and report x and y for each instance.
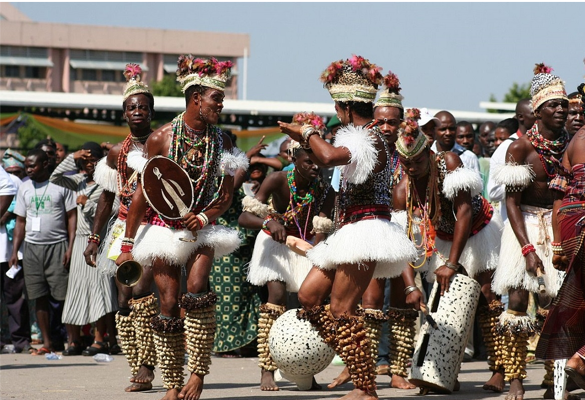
(105, 176)
(563, 333)
(390, 95)
(511, 270)
(411, 141)
(273, 261)
(134, 84)
(439, 352)
(205, 72)
(268, 314)
(355, 79)
(545, 86)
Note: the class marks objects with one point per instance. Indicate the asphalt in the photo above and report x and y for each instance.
(23, 376)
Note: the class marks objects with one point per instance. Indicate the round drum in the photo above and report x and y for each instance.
(297, 349)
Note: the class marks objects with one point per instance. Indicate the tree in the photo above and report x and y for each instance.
(167, 86)
(29, 134)
(516, 93)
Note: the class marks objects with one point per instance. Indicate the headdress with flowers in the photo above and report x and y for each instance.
(390, 96)
(355, 79)
(134, 84)
(545, 86)
(411, 141)
(205, 72)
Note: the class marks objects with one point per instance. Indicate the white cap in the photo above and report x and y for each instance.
(425, 117)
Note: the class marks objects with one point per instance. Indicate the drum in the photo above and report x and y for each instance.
(297, 349)
(439, 352)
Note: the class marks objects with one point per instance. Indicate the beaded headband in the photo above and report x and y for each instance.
(134, 84)
(411, 141)
(205, 72)
(546, 86)
(355, 79)
(390, 96)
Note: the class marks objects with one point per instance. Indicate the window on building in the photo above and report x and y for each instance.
(34, 72)
(108, 75)
(12, 71)
(89, 75)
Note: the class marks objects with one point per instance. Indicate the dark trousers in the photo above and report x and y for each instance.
(18, 314)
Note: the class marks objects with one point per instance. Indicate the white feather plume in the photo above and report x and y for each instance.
(105, 176)
(462, 179)
(364, 155)
(512, 174)
(232, 160)
(136, 160)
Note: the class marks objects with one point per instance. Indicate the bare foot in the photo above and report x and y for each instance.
(399, 382)
(139, 387)
(358, 394)
(267, 381)
(172, 394)
(496, 382)
(144, 375)
(192, 390)
(341, 379)
(516, 390)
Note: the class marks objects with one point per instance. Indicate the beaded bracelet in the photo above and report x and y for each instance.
(202, 219)
(450, 265)
(93, 238)
(271, 217)
(126, 248)
(527, 249)
(557, 249)
(409, 289)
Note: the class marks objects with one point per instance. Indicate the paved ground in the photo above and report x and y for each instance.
(23, 376)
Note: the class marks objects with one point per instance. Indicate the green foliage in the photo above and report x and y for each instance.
(516, 93)
(29, 134)
(167, 86)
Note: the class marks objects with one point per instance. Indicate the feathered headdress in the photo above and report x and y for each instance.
(355, 79)
(411, 141)
(205, 72)
(545, 86)
(390, 96)
(134, 84)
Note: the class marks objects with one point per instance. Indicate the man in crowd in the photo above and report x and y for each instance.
(445, 140)
(576, 118)
(465, 135)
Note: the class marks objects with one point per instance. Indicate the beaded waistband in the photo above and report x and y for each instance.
(361, 213)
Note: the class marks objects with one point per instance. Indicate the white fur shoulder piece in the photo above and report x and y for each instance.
(105, 176)
(254, 206)
(512, 174)
(462, 179)
(232, 160)
(136, 160)
(364, 155)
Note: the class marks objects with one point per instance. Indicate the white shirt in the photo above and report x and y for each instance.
(9, 184)
(498, 192)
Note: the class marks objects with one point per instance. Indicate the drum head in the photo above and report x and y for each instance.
(167, 187)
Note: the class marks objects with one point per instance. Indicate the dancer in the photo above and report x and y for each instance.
(455, 227)
(136, 305)
(206, 153)
(302, 202)
(365, 243)
(531, 163)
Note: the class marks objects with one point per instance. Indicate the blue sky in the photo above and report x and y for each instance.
(447, 55)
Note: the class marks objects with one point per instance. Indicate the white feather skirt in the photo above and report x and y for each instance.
(481, 252)
(511, 271)
(273, 261)
(164, 243)
(369, 240)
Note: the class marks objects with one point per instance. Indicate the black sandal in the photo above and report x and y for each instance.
(74, 349)
(92, 351)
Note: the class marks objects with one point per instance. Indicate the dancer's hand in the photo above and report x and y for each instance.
(123, 258)
(444, 275)
(414, 299)
(90, 254)
(560, 262)
(192, 222)
(277, 231)
(534, 263)
(294, 131)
